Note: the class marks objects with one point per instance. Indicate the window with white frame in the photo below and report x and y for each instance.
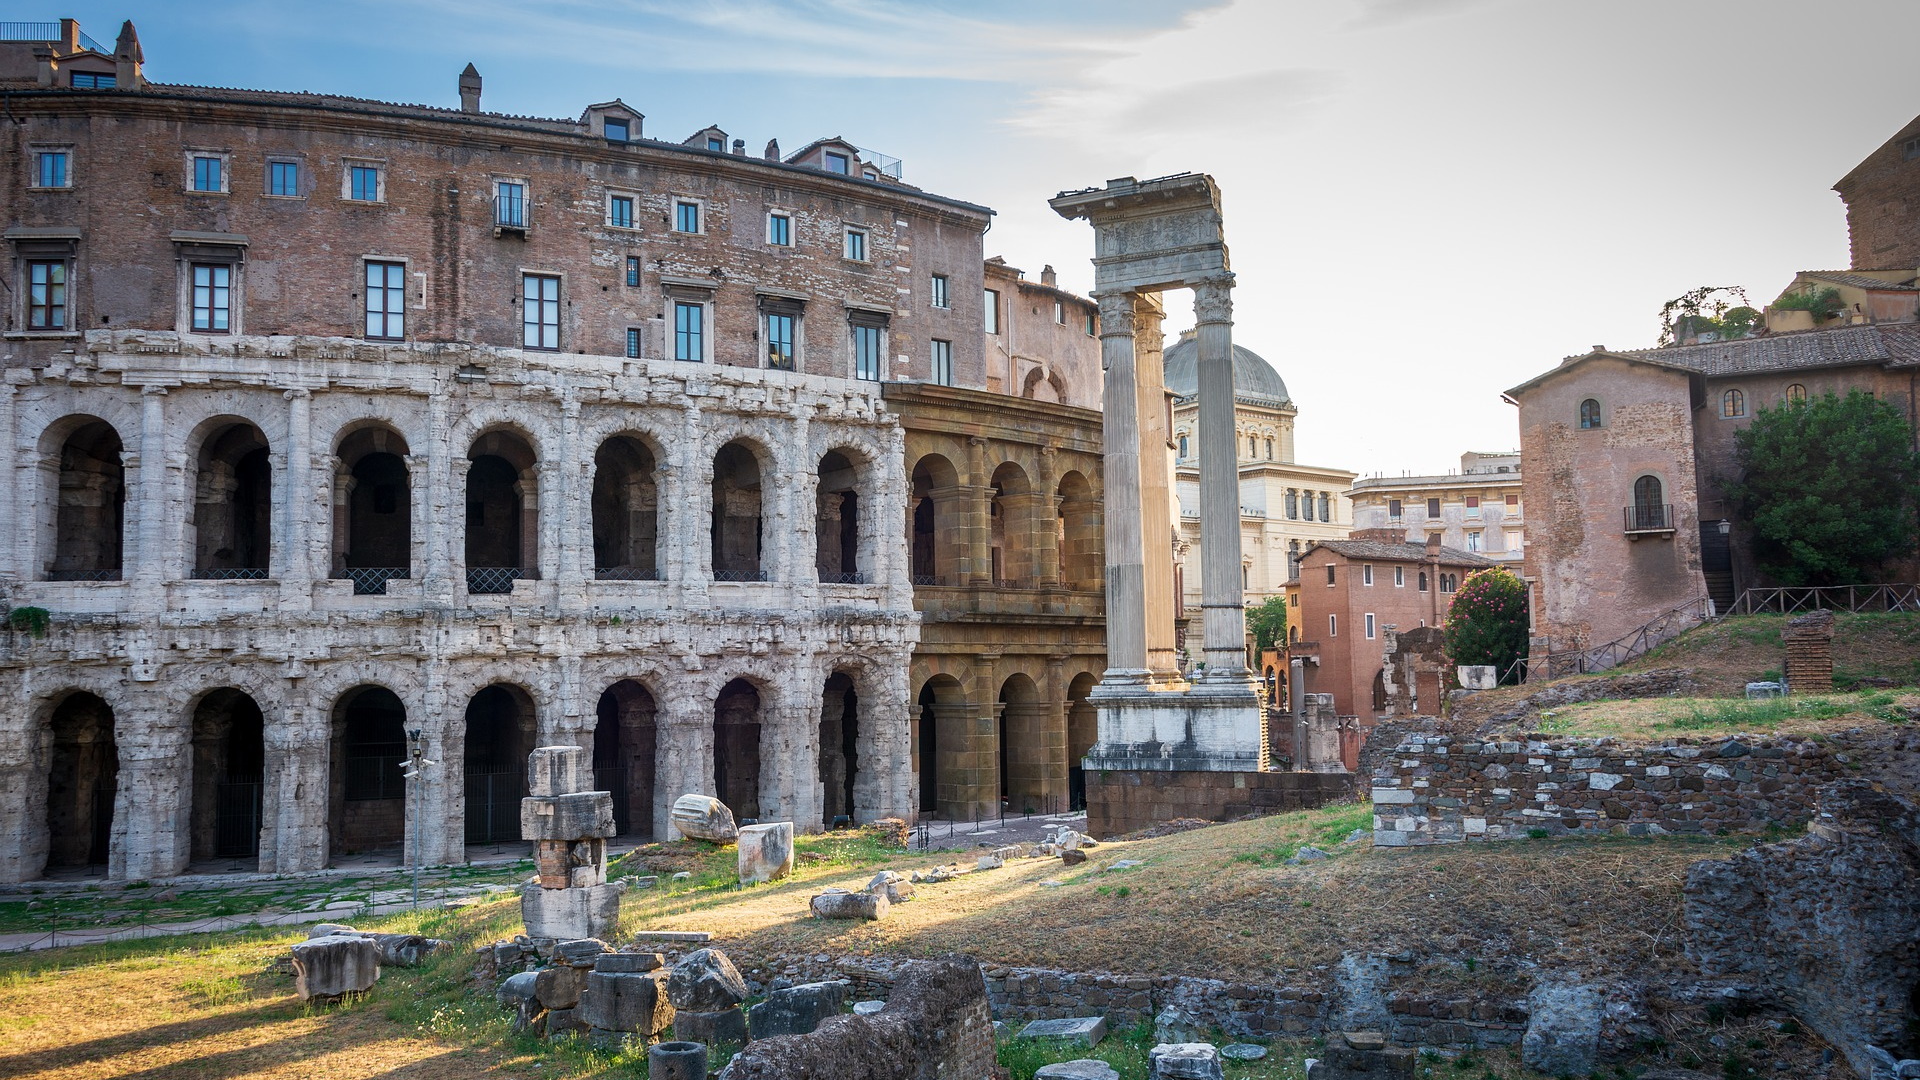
(938, 291)
(207, 173)
(780, 230)
(1473, 540)
(856, 244)
(510, 204)
(1369, 625)
(52, 169)
(1329, 575)
(620, 211)
(366, 182)
(1060, 312)
(1333, 625)
(386, 303)
(686, 216)
(212, 299)
(540, 311)
(942, 362)
(1366, 574)
(46, 295)
(868, 347)
(993, 311)
(1399, 577)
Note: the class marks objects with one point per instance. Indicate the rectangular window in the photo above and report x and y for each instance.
(1433, 508)
(47, 295)
(993, 311)
(50, 169)
(779, 230)
(620, 211)
(1329, 573)
(633, 271)
(839, 163)
(208, 174)
(1366, 574)
(1294, 600)
(943, 362)
(283, 178)
(1369, 625)
(856, 247)
(92, 80)
(1513, 500)
(689, 331)
(386, 300)
(616, 130)
(866, 352)
(1060, 312)
(510, 204)
(1093, 325)
(686, 217)
(364, 183)
(716, 144)
(212, 298)
(1333, 626)
(1399, 577)
(633, 342)
(1473, 506)
(939, 290)
(1473, 540)
(540, 311)
(780, 341)
(1393, 509)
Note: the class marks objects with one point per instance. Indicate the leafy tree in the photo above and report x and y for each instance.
(1487, 623)
(1701, 310)
(1268, 621)
(1830, 487)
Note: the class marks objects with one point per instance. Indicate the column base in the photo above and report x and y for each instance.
(1122, 802)
(1198, 728)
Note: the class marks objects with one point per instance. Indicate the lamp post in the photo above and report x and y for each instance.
(415, 770)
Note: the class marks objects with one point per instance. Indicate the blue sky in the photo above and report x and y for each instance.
(1427, 201)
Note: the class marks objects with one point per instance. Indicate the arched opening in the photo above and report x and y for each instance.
(1083, 731)
(503, 512)
(625, 736)
(1733, 403)
(1082, 550)
(500, 732)
(935, 525)
(736, 515)
(233, 505)
(839, 760)
(368, 791)
(939, 739)
(1032, 755)
(82, 778)
(837, 526)
(626, 511)
(1011, 514)
(736, 748)
(229, 762)
(1649, 511)
(372, 511)
(90, 506)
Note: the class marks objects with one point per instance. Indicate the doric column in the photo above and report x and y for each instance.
(1047, 555)
(295, 569)
(343, 483)
(294, 810)
(683, 755)
(150, 561)
(441, 804)
(1222, 600)
(790, 763)
(571, 502)
(979, 525)
(17, 541)
(980, 741)
(436, 503)
(953, 510)
(1126, 554)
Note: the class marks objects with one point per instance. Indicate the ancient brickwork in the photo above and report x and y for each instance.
(1441, 790)
(1122, 801)
(1880, 194)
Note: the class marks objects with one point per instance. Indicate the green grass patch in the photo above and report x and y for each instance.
(1773, 712)
(1326, 830)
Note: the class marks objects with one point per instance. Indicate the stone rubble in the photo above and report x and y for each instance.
(1184, 1061)
(841, 904)
(1084, 1031)
(765, 852)
(1082, 1069)
(570, 896)
(332, 967)
(704, 817)
(796, 1010)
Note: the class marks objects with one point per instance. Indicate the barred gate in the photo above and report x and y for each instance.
(493, 805)
(236, 833)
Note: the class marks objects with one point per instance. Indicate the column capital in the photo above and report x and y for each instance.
(297, 393)
(1213, 299)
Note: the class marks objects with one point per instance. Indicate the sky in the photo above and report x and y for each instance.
(1426, 201)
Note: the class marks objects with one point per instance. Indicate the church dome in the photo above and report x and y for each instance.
(1253, 377)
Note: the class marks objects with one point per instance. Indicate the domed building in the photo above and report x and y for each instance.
(1285, 507)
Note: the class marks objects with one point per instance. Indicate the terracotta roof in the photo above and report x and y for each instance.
(1389, 552)
(1837, 347)
(1861, 281)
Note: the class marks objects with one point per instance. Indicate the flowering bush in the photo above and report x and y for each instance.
(1487, 623)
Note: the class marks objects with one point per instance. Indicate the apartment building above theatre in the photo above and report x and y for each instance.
(1478, 509)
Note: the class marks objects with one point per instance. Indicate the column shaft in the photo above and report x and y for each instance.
(1126, 572)
(1156, 489)
(1221, 597)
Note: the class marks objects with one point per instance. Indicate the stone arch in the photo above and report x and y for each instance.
(626, 744)
(1014, 514)
(626, 509)
(372, 507)
(839, 742)
(501, 729)
(936, 515)
(739, 722)
(1079, 533)
(844, 540)
(1028, 746)
(941, 752)
(81, 767)
(739, 511)
(1045, 385)
(502, 510)
(1083, 732)
(229, 758)
(232, 523)
(87, 494)
(366, 791)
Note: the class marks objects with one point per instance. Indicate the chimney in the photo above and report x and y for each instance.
(470, 89)
(69, 36)
(1048, 277)
(1433, 545)
(739, 148)
(128, 58)
(43, 63)
(1599, 348)
(773, 150)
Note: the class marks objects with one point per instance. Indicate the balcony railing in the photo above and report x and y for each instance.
(927, 580)
(843, 579)
(739, 575)
(627, 573)
(84, 575)
(493, 579)
(510, 211)
(1649, 518)
(372, 580)
(228, 573)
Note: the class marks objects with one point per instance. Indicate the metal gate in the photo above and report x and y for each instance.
(237, 818)
(613, 778)
(493, 805)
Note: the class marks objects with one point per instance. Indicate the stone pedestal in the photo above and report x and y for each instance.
(569, 828)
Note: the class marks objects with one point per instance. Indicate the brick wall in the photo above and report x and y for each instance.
(1120, 802)
(1439, 790)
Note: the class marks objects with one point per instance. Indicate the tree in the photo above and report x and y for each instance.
(1701, 310)
(1487, 623)
(1268, 621)
(1829, 487)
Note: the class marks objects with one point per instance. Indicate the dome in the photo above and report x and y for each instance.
(1253, 377)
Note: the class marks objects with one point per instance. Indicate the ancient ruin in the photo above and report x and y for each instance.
(569, 825)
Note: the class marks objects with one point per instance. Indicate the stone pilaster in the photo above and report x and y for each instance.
(150, 562)
(15, 539)
(683, 758)
(436, 504)
(294, 836)
(293, 553)
(979, 516)
(150, 805)
(571, 501)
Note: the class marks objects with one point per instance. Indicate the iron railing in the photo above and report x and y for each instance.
(739, 575)
(627, 573)
(510, 211)
(237, 818)
(843, 579)
(84, 575)
(493, 579)
(493, 805)
(1787, 601)
(1657, 631)
(1649, 517)
(374, 777)
(228, 573)
(372, 580)
(927, 579)
(48, 32)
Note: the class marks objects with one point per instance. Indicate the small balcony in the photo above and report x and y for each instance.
(1649, 519)
(509, 215)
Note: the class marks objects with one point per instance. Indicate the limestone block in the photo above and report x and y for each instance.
(567, 817)
(990, 862)
(1184, 1061)
(1363, 1055)
(563, 1022)
(621, 1001)
(559, 770)
(1243, 1052)
(725, 1026)
(570, 864)
(1074, 857)
(1477, 677)
(1083, 1069)
(1563, 1030)
(896, 887)
(578, 952)
(629, 962)
(518, 997)
(570, 913)
(334, 966)
(704, 817)
(840, 904)
(1084, 1031)
(766, 852)
(868, 1008)
(796, 1010)
(559, 987)
(706, 981)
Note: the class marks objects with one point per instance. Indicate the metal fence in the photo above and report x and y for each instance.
(374, 777)
(84, 575)
(236, 833)
(627, 573)
(739, 575)
(927, 831)
(1649, 517)
(1662, 628)
(493, 579)
(843, 579)
(1788, 601)
(372, 580)
(228, 573)
(493, 805)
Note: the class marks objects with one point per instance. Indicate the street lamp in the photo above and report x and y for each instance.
(415, 769)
